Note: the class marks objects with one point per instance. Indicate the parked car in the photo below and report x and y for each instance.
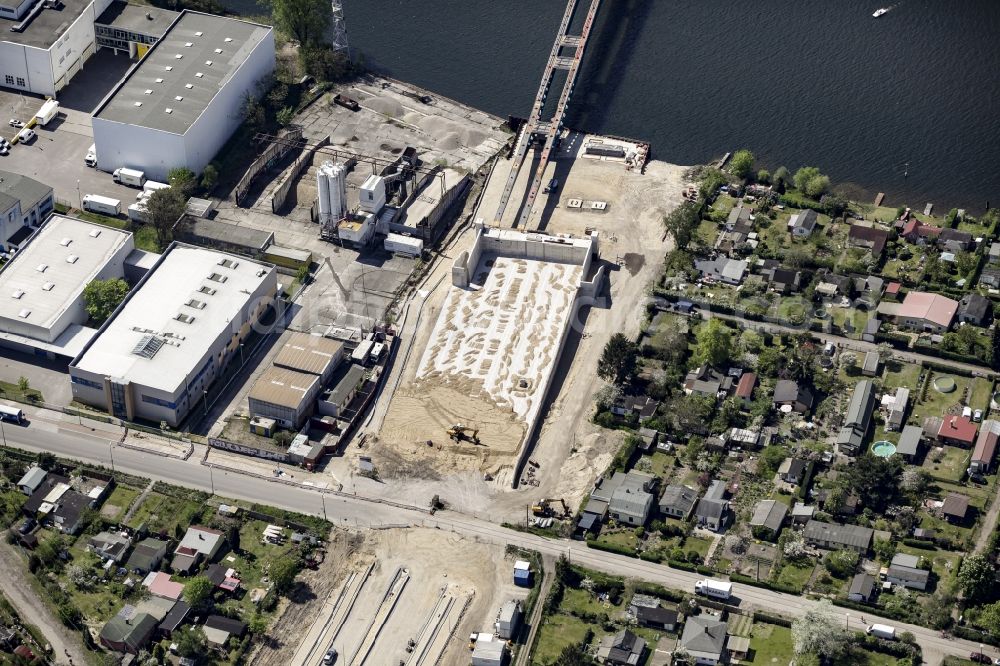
(26, 135)
(330, 657)
(980, 658)
(14, 122)
(977, 415)
(27, 525)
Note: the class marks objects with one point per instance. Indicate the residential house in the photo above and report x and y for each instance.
(224, 578)
(896, 417)
(975, 309)
(802, 224)
(916, 232)
(31, 480)
(592, 516)
(909, 442)
(783, 280)
(768, 517)
(650, 438)
(990, 276)
(629, 496)
(862, 588)
(641, 406)
(48, 491)
(871, 364)
(870, 287)
(712, 510)
(648, 612)
(738, 648)
(677, 501)
(993, 256)
(159, 584)
(70, 511)
(955, 507)
(867, 238)
(986, 448)
(743, 438)
(722, 269)
(622, 649)
(147, 555)
(955, 240)
(129, 635)
(870, 332)
(745, 387)
(791, 470)
(109, 545)
(219, 629)
(707, 381)
(198, 542)
(957, 430)
(802, 513)
(24, 204)
(922, 311)
(905, 570)
(704, 639)
(834, 536)
(737, 216)
(789, 393)
(856, 423)
(174, 619)
(830, 285)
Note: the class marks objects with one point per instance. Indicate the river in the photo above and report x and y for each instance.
(908, 103)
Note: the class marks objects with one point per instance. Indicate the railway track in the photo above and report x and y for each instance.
(381, 616)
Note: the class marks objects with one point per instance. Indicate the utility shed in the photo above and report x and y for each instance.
(489, 651)
(510, 619)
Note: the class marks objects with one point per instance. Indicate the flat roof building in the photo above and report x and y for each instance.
(132, 29)
(41, 288)
(181, 103)
(286, 396)
(311, 354)
(24, 204)
(160, 351)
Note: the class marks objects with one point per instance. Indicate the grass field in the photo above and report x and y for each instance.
(118, 502)
(168, 515)
(556, 633)
(794, 576)
(952, 464)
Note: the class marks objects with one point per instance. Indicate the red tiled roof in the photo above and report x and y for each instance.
(892, 288)
(745, 388)
(959, 428)
(932, 307)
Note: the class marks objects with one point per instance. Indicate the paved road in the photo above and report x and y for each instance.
(22, 597)
(857, 345)
(95, 446)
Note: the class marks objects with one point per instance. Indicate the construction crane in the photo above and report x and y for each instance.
(545, 507)
(459, 432)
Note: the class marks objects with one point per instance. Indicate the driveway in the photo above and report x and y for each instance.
(49, 377)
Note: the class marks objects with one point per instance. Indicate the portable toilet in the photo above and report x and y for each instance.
(522, 574)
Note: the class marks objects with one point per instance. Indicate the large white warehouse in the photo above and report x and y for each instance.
(41, 308)
(157, 355)
(183, 100)
(43, 45)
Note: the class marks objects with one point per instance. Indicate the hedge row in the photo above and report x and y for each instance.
(760, 616)
(865, 608)
(970, 634)
(746, 580)
(610, 547)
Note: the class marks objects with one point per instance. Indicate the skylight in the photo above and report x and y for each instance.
(147, 346)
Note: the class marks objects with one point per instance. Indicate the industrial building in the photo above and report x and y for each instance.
(180, 327)
(287, 396)
(42, 311)
(182, 102)
(310, 354)
(131, 29)
(45, 42)
(24, 205)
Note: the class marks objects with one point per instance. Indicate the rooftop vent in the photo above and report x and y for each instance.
(199, 75)
(198, 34)
(94, 233)
(188, 44)
(169, 68)
(208, 62)
(23, 314)
(206, 290)
(215, 277)
(159, 80)
(229, 39)
(65, 242)
(18, 293)
(188, 86)
(229, 263)
(41, 267)
(71, 259)
(47, 286)
(169, 110)
(218, 50)
(138, 103)
(183, 318)
(179, 98)
(196, 304)
(147, 346)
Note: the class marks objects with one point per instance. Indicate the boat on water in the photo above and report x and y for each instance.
(880, 11)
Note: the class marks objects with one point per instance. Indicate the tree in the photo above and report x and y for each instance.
(618, 360)
(710, 182)
(282, 573)
(306, 21)
(884, 549)
(780, 176)
(750, 342)
(804, 175)
(198, 591)
(681, 223)
(817, 632)
(764, 177)
(209, 177)
(915, 480)
(163, 209)
(573, 655)
(875, 480)
(741, 164)
(989, 618)
(714, 343)
(976, 577)
(191, 643)
(966, 262)
(771, 458)
(811, 182)
(23, 384)
(325, 64)
(606, 396)
(101, 297)
(183, 179)
(284, 116)
(841, 563)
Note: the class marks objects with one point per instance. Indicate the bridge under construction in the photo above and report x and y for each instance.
(566, 54)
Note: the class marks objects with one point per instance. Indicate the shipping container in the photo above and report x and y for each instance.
(400, 244)
(48, 111)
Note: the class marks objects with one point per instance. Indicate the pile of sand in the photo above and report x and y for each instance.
(385, 105)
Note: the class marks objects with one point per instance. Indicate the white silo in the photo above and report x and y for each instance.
(323, 194)
(338, 191)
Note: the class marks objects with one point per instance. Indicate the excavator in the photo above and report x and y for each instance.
(546, 507)
(459, 433)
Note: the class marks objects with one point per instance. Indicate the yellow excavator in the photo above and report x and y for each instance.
(459, 433)
(546, 507)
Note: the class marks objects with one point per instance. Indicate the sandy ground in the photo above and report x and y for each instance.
(436, 609)
(570, 449)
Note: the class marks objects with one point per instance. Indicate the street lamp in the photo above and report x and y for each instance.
(242, 362)
(211, 477)
(111, 452)
(79, 197)
(2, 432)
(205, 391)
(322, 498)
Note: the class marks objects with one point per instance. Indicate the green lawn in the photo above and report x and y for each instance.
(697, 544)
(794, 575)
(165, 514)
(11, 391)
(624, 538)
(936, 403)
(579, 600)
(979, 395)
(660, 464)
(557, 631)
(898, 373)
(252, 562)
(952, 464)
(118, 502)
(770, 645)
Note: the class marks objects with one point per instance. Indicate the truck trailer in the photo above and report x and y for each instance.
(151, 186)
(129, 177)
(95, 203)
(91, 158)
(400, 244)
(719, 589)
(882, 631)
(137, 212)
(48, 111)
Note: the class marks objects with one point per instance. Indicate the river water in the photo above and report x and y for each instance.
(799, 82)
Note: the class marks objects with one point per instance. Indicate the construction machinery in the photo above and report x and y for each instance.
(459, 433)
(546, 507)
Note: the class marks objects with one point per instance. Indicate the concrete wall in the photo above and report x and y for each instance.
(152, 151)
(75, 46)
(31, 64)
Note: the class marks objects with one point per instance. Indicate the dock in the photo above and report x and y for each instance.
(879, 198)
(725, 158)
(928, 208)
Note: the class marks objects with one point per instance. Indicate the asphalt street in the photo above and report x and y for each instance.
(95, 445)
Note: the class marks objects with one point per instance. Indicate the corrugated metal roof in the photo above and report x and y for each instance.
(285, 388)
(307, 353)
